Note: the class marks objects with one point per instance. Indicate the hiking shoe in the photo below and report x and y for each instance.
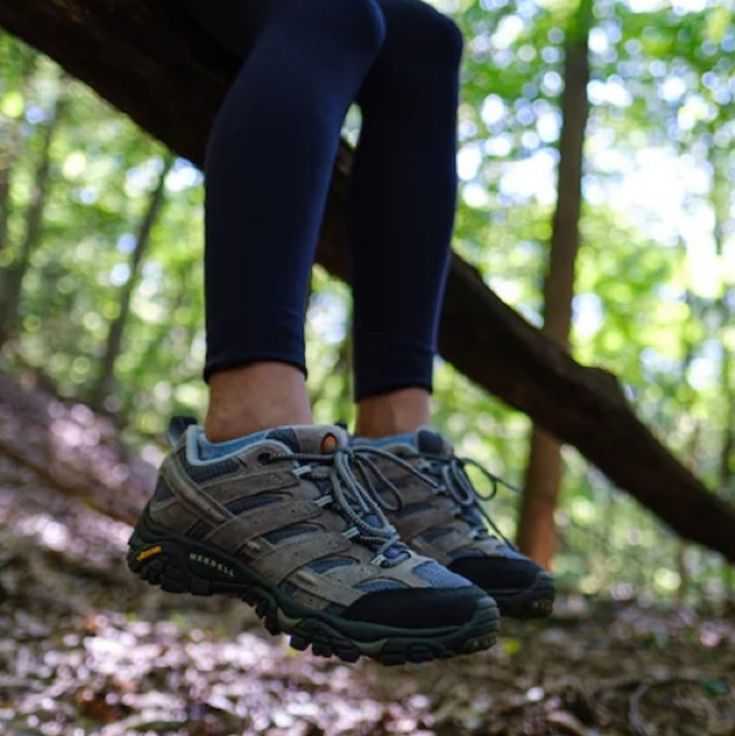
(285, 524)
(441, 516)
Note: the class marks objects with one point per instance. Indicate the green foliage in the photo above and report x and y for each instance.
(654, 298)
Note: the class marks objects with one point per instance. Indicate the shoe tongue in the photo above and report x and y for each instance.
(432, 443)
(314, 439)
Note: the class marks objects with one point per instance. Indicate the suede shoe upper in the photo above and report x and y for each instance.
(441, 516)
(293, 507)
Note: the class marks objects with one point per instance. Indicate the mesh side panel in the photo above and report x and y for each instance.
(431, 534)
(250, 502)
(322, 484)
(162, 491)
(474, 516)
(455, 554)
(374, 585)
(287, 436)
(208, 471)
(289, 531)
(287, 588)
(438, 576)
(330, 563)
(505, 551)
(412, 508)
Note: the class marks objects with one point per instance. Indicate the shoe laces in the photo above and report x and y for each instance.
(455, 482)
(352, 473)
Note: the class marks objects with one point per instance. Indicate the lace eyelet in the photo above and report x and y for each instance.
(265, 457)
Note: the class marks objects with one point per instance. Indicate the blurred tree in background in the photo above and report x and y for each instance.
(101, 257)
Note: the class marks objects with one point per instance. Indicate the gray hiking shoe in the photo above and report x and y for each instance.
(289, 524)
(441, 516)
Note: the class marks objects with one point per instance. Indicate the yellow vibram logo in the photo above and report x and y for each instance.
(146, 553)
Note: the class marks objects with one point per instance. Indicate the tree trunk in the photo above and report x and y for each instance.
(113, 344)
(14, 275)
(727, 449)
(727, 385)
(720, 195)
(536, 530)
(149, 60)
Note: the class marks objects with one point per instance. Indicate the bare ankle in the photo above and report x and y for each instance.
(255, 397)
(396, 412)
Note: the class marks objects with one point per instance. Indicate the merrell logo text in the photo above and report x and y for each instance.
(212, 563)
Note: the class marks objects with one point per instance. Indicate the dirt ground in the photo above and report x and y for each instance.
(85, 648)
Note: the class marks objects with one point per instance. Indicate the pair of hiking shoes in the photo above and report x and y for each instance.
(353, 547)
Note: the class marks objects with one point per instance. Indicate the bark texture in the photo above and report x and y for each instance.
(154, 64)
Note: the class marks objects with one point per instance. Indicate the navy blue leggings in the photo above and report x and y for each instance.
(269, 164)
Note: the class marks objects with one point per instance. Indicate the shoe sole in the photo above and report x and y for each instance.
(181, 565)
(536, 601)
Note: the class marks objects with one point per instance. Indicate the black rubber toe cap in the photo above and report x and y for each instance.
(416, 608)
(498, 574)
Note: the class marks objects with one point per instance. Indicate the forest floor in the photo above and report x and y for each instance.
(86, 648)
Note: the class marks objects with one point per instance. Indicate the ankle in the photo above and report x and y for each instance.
(397, 412)
(255, 397)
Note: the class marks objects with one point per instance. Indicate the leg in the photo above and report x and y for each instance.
(401, 210)
(393, 412)
(268, 168)
(280, 517)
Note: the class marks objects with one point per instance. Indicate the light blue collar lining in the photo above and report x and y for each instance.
(406, 438)
(207, 450)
